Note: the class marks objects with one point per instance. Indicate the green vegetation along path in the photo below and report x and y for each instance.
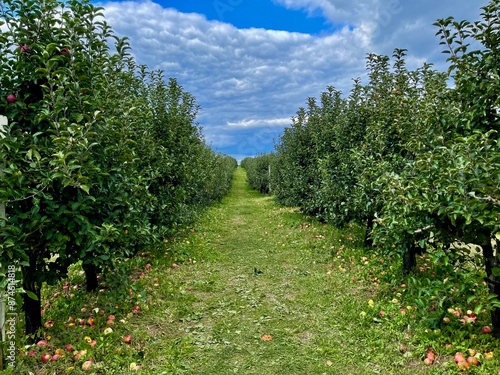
(269, 292)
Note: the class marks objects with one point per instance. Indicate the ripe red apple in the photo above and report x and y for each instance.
(41, 344)
(55, 357)
(486, 330)
(136, 309)
(32, 353)
(81, 321)
(111, 317)
(11, 98)
(174, 265)
(91, 322)
(69, 347)
(472, 361)
(46, 357)
(49, 323)
(381, 313)
(127, 339)
(459, 357)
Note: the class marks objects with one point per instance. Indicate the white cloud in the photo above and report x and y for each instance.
(256, 78)
(261, 123)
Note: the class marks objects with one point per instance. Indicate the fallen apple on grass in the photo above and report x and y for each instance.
(87, 365)
(41, 344)
(127, 339)
(486, 330)
(472, 361)
(430, 357)
(46, 357)
(79, 354)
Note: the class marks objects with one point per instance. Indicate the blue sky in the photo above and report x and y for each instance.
(252, 63)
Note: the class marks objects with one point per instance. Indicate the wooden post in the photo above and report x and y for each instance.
(269, 177)
(3, 122)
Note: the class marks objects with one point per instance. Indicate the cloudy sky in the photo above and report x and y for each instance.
(252, 63)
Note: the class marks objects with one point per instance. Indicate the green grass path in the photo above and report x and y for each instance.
(265, 270)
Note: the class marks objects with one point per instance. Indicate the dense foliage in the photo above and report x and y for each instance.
(102, 157)
(258, 171)
(413, 160)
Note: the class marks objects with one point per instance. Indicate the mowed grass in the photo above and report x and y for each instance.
(255, 288)
(270, 291)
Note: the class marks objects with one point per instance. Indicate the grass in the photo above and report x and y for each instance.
(259, 289)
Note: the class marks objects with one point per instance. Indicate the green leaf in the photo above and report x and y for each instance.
(495, 271)
(31, 295)
(85, 188)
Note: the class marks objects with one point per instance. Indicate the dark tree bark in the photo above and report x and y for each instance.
(368, 242)
(409, 258)
(491, 262)
(90, 277)
(32, 307)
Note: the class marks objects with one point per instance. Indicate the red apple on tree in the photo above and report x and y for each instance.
(11, 98)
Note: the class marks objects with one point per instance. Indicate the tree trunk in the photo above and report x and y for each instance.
(409, 258)
(491, 262)
(368, 242)
(32, 307)
(90, 277)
